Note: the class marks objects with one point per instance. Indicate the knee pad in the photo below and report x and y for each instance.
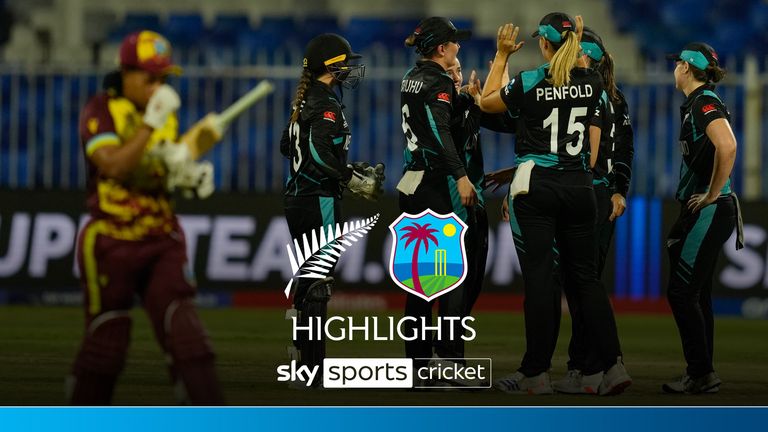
(185, 336)
(105, 345)
(315, 302)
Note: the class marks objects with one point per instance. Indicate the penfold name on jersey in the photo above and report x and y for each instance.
(411, 86)
(564, 92)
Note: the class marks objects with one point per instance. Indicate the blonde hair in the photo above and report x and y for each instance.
(564, 60)
(298, 101)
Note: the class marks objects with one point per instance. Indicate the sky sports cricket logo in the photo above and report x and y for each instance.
(356, 373)
(428, 257)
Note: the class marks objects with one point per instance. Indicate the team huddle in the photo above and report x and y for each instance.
(574, 148)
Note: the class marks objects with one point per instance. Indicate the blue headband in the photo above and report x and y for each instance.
(695, 58)
(549, 33)
(593, 50)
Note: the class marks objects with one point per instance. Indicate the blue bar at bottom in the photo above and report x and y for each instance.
(622, 419)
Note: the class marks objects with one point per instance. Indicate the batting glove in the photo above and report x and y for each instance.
(163, 102)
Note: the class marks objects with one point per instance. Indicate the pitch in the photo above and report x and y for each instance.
(37, 345)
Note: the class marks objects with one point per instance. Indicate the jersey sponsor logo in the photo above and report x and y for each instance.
(706, 109)
(444, 97)
(330, 116)
(93, 125)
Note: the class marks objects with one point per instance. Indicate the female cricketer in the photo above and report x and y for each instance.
(552, 200)
(434, 176)
(612, 171)
(316, 141)
(708, 212)
(133, 243)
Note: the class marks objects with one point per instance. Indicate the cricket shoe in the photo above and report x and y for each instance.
(517, 383)
(709, 383)
(575, 382)
(455, 380)
(615, 380)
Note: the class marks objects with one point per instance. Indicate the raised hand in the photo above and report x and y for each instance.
(506, 39)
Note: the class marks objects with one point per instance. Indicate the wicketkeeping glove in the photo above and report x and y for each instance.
(161, 104)
(366, 181)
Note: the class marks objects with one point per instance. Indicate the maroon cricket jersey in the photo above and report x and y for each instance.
(139, 206)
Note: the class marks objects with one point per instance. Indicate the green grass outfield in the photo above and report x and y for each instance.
(37, 346)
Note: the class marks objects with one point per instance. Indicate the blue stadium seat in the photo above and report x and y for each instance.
(134, 22)
(184, 30)
(313, 26)
(226, 29)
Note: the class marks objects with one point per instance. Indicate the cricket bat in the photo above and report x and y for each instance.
(204, 134)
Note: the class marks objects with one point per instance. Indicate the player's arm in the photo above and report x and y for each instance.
(117, 159)
(440, 110)
(506, 45)
(624, 149)
(596, 124)
(120, 160)
(711, 114)
(323, 127)
(285, 142)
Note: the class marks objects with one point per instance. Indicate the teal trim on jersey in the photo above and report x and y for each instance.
(592, 50)
(694, 238)
(532, 77)
(548, 160)
(695, 58)
(308, 178)
(326, 209)
(408, 72)
(726, 189)
(696, 137)
(517, 234)
(604, 97)
(338, 140)
(712, 94)
(459, 209)
(433, 125)
(687, 182)
(312, 149)
(603, 181)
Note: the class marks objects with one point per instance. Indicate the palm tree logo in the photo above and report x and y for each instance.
(424, 242)
(422, 234)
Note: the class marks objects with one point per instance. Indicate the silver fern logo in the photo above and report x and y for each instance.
(314, 257)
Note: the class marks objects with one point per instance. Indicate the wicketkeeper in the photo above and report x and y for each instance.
(316, 141)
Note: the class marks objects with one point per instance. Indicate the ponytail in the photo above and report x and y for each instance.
(605, 68)
(301, 89)
(712, 74)
(564, 60)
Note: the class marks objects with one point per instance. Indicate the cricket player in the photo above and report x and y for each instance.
(552, 200)
(133, 244)
(612, 171)
(434, 176)
(316, 140)
(709, 211)
(465, 131)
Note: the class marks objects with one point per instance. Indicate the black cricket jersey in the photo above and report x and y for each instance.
(553, 129)
(317, 145)
(426, 105)
(623, 145)
(700, 108)
(465, 129)
(604, 119)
